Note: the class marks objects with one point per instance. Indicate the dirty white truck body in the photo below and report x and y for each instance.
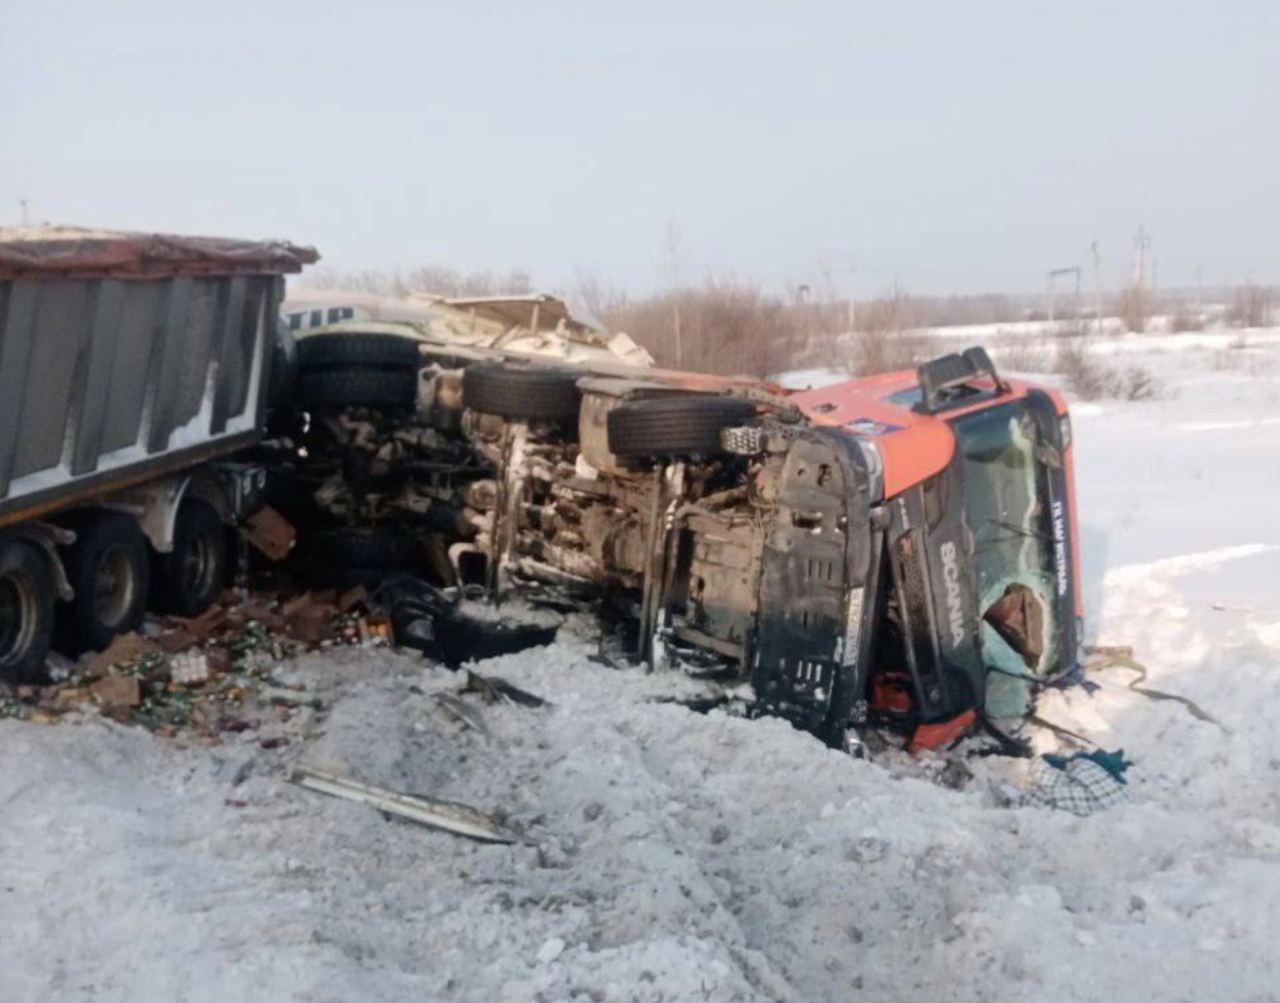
(127, 363)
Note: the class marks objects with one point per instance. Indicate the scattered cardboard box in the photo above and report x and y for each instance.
(124, 650)
(175, 641)
(270, 533)
(117, 692)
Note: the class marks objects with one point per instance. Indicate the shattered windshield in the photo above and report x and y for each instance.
(1007, 509)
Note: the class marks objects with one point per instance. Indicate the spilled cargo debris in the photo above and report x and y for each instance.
(115, 693)
(209, 675)
(270, 533)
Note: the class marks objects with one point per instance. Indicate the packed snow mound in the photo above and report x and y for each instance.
(669, 855)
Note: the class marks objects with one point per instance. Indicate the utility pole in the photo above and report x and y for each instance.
(1075, 303)
(1142, 276)
(675, 309)
(1054, 274)
(1141, 247)
(23, 203)
(1097, 285)
(850, 300)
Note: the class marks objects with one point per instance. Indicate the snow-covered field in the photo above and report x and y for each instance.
(675, 856)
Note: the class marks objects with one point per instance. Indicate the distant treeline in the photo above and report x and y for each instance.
(735, 326)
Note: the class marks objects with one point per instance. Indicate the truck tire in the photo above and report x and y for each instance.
(674, 425)
(544, 393)
(359, 387)
(191, 576)
(110, 572)
(357, 350)
(26, 612)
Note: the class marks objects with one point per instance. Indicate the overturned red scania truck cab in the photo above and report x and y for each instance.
(895, 549)
(973, 561)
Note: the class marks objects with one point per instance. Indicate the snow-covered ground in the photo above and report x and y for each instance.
(677, 856)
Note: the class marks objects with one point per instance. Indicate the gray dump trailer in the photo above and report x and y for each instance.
(132, 368)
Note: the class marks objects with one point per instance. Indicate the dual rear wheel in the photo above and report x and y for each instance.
(115, 577)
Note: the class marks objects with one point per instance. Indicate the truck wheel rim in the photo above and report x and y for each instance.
(17, 614)
(199, 564)
(114, 586)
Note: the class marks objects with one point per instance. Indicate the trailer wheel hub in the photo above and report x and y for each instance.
(200, 564)
(114, 586)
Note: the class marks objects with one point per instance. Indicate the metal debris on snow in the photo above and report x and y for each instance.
(449, 816)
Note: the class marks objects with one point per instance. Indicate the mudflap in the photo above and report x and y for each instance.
(808, 657)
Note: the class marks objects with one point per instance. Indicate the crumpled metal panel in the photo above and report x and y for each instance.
(537, 324)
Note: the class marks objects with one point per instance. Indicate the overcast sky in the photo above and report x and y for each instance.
(953, 146)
